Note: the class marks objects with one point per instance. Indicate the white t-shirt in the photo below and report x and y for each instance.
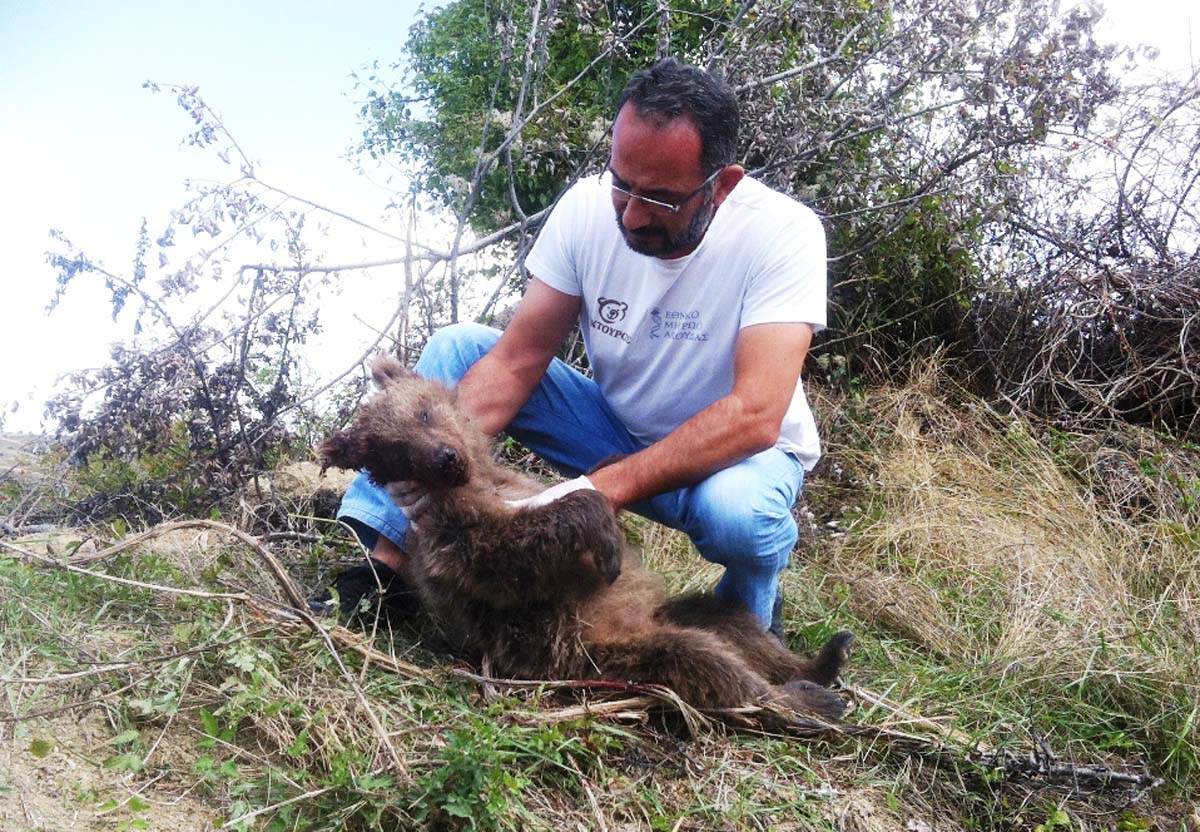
(660, 334)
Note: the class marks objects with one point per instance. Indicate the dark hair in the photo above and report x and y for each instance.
(671, 89)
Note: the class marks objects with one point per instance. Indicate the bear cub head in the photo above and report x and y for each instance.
(409, 430)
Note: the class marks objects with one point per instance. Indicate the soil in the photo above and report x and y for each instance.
(68, 788)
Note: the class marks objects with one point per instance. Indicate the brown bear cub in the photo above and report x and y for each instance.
(553, 592)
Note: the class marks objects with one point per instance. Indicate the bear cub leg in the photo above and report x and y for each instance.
(760, 650)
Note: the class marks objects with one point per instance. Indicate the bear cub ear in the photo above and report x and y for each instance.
(387, 369)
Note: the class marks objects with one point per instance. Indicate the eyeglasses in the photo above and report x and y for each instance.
(658, 204)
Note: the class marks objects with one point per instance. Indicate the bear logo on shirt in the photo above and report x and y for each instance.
(611, 311)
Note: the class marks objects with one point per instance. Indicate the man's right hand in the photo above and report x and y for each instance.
(412, 498)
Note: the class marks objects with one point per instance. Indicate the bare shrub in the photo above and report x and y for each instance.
(1099, 344)
(170, 431)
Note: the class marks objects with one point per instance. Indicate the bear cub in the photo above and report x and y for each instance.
(553, 592)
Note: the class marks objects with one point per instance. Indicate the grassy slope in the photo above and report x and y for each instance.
(1006, 589)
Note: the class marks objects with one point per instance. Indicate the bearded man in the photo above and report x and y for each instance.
(697, 307)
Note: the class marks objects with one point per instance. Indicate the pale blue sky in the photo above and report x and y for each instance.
(72, 105)
(85, 149)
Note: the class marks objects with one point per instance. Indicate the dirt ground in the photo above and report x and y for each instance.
(68, 788)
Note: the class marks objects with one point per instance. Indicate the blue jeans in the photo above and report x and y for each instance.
(739, 517)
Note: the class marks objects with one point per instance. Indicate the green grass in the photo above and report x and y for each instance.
(947, 523)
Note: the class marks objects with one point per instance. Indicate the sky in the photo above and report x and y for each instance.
(84, 149)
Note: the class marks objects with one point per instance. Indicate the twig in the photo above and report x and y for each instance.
(303, 537)
(36, 528)
(1042, 764)
(797, 70)
(591, 796)
(251, 815)
(631, 709)
(170, 721)
(26, 555)
(70, 706)
(881, 701)
(112, 667)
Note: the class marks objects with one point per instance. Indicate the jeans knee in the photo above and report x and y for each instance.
(452, 350)
(743, 523)
(756, 539)
(743, 514)
(754, 547)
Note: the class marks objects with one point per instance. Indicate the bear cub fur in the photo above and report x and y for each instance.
(553, 592)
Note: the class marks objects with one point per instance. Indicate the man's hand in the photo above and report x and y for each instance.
(553, 493)
(412, 498)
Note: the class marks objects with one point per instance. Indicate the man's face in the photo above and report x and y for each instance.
(661, 162)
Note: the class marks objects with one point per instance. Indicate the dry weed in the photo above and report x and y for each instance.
(991, 546)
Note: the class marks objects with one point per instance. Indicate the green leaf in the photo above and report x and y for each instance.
(143, 705)
(458, 808)
(300, 745)
(211, 726)
(41, 748)
(125, 737)
(125, 762)
(370, 783)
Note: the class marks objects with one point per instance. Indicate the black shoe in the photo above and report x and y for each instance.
(776, 628)
(354, 589)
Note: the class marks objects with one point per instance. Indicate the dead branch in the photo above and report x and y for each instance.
(1041, 763)
(70, 706)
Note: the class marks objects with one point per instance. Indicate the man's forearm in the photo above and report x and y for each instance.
(748, 420)
(723, 434)
(492, 392)
(502, 381)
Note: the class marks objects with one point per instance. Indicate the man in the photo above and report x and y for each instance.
(697, 308)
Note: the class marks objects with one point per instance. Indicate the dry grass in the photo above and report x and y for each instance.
(977, 543)
(1007, 560)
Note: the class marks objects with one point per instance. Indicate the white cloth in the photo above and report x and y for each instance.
(660, 334)
(552, 493)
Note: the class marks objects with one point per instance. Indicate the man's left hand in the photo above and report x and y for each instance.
(553, 493)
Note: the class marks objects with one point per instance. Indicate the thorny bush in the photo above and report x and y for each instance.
(1099, 344)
